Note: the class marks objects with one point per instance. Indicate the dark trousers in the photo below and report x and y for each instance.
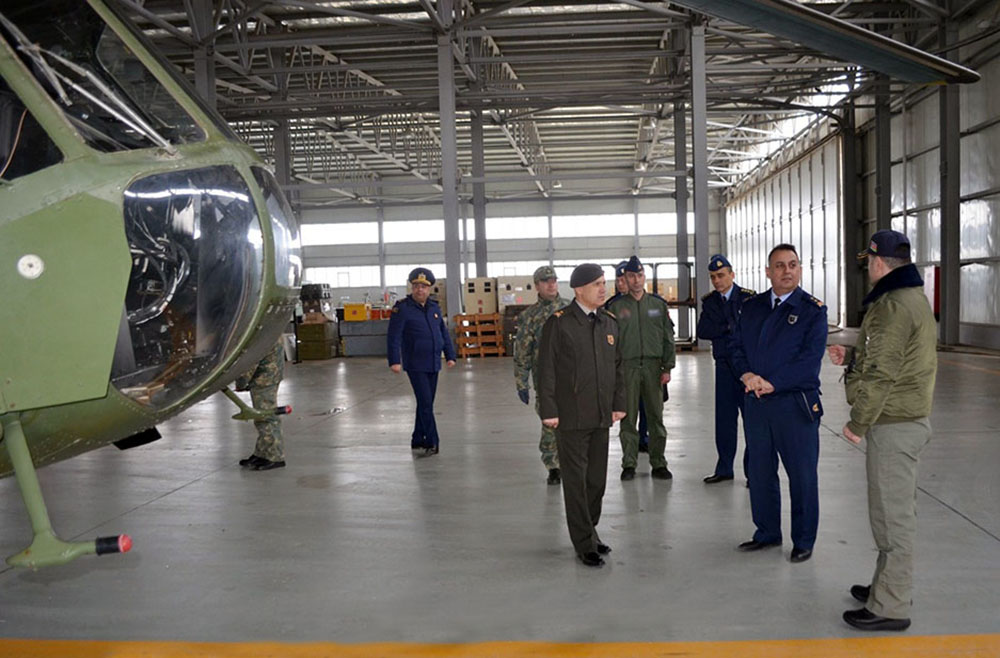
(643, 425)
(425, 433)
(728, 405)
(583, 459)
(778, 425)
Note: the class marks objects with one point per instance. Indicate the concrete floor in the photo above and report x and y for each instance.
(359, 540)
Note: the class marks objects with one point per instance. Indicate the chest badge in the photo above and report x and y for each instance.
(611, 339)
(792, 319)
(816, 408)
(435, 316)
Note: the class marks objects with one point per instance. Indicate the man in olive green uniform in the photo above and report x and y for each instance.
(529, 334)
(890, 386)
(581, 393)
(262, 382)
(647, 337)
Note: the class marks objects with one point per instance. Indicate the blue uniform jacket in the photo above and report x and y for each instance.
(417, 336)
(784, 346)
(718, 318)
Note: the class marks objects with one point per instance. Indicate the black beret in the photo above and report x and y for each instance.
(584, 274)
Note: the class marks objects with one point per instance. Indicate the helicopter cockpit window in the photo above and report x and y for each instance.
(287, 242)
(24, 146)
(106, 92)
(197, 268)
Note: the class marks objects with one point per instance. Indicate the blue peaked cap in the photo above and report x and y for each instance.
(717, 262)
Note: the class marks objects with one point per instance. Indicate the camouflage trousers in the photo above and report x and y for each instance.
(270, 445)
(547, 444)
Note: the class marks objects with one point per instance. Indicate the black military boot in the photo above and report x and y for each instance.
(554, 477)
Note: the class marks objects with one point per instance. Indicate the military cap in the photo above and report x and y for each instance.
(634, 265)
(584, 274)
(888, 244)
(620, 268)
(717, 262)
(544, 273)
(421, 275)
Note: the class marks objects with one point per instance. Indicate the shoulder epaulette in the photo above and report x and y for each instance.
(557, 314)
(706, 296)
(611, 314)
(818, 302)
(749, 292)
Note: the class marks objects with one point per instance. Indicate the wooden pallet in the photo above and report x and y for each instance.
(479, 334)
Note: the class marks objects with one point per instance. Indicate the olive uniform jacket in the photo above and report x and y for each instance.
(580, 372)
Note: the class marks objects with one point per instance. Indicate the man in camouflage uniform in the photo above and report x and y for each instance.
(529, 334)
(262, 382)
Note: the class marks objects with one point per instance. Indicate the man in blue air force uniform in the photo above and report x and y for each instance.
(417, 336)
(778, 348)
(720, 309)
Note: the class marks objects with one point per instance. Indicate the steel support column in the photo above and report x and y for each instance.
(951, 291)
(699, 143)
(449, 160)
(681, 210)
(204, 55)
(883, 156)
(380, 218)
(479, 192)
(853, 275)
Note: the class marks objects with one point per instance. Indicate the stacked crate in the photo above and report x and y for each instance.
(479, 334)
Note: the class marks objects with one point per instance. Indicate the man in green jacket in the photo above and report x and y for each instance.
(529, 335)
(647, 341)
(890, 385)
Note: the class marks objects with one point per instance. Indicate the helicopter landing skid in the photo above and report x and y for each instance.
(46, 549)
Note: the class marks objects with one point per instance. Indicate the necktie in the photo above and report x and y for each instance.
(777, 300)
(592, 316)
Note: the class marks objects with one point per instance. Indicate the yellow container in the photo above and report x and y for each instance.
(356, 312)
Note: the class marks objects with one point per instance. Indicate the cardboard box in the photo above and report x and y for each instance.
(480, 295)
(518, 290)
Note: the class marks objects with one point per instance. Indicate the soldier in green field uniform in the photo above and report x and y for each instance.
(529, 335)
(262, 382)
(647, 343)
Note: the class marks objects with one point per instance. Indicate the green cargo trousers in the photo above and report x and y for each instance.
(547, 444)
(270, 445)
(891, 460)
(642, 379)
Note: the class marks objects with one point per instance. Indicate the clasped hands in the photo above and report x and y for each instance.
(754, 383)
(554, 422)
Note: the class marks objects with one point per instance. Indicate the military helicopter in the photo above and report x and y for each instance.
(147, 256)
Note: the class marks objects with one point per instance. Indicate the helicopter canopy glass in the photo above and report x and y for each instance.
(197, 268)
(105, 90)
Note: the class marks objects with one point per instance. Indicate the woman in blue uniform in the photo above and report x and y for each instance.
(417, 336)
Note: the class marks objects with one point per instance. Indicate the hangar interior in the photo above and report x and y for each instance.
(488, 137)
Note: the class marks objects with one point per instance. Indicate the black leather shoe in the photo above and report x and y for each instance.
(712, 479)
(603, 549)
(267, 465)
(554, 477)
(252, 460)
(869, 621)
(800, 554)
(861, 592)
(628, 474)
(754, 545)
(433, 450)
(591, 559)
(662, 473)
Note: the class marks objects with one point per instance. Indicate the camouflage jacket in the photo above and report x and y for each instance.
(267, 372)
(529, 334)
